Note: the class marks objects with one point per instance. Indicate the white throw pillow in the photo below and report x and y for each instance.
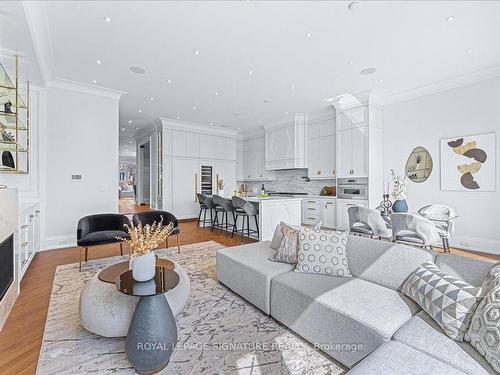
(322, 252)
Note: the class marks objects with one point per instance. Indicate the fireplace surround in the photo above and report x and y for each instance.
(6, 265)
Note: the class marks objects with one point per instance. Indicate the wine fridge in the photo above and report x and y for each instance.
(206, 179)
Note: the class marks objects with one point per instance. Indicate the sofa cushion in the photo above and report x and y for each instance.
(322, 252)
(385, 263)
(424, 334)
(447, 299)
(102, 237)
(394, 358)
(484, 331)
(329, 310)
(472, 271)
(248, 271)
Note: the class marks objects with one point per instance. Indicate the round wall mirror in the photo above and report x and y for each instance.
(419, 165)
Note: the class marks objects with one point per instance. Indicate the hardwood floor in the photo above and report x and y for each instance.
(21, 337)
(128, 206)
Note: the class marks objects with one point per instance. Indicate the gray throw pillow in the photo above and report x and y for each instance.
(484, 331)
(447, 299)
(322, 252)
(287, 251)
(277, 236)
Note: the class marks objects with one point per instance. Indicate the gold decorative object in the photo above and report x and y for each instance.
(144, 239)
(14, 117)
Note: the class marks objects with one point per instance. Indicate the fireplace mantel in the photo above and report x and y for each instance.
(8, 227)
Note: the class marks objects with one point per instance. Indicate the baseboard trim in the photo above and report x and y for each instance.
(59, 242)
(477, 244)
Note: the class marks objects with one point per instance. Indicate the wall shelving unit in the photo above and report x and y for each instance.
(14, 125)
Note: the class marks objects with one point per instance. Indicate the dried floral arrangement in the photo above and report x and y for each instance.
(143, 239)
(399, 186)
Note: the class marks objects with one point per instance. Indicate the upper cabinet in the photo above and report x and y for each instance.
(287, 145)
(252, 162)
(322, 145)
(185, 144)
(352, 118)
(352, 152)
(217, 147)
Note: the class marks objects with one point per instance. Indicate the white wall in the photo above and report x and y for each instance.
(81, 136)
(423, 121)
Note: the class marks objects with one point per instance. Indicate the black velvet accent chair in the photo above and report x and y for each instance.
(100, 229)
(150, 217)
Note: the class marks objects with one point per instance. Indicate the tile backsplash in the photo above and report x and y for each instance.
(293, 180)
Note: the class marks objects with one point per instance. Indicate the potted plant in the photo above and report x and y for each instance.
(142, 242)
(399, 192)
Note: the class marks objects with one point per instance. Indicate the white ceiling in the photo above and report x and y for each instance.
(298, 53)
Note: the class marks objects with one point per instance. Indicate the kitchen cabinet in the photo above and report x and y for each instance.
(322, 209)
(352, 152)
(185, 144)
(342, 214)
(225, 170)
(352, 118)
(217, 147)
(286, 145)
(185, 185)
(322, 158)
(253, 161)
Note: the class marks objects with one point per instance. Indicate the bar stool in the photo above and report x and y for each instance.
(244, 209)
(206, 203)
(223, 206)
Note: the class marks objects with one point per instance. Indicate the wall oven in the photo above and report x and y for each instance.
(352, 188)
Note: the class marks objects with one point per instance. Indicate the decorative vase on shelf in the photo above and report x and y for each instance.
(143, 266)
(400, 205)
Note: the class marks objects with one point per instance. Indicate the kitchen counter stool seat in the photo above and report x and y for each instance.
(245, 209)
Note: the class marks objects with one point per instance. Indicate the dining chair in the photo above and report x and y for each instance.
(413, 229)
(443, 218)
(365, 221)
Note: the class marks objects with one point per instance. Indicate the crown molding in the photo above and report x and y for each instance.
(197, 128)
(251, 134)
(444, 85)
(67, 84)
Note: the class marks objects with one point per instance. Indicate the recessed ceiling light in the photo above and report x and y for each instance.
(354, 6)
(137, 128)
(380, 80)
(169, 81)
(260, 121)
(216, 93)
(98, 62)
(196, 52)
(239, 128)
(107, 19)
(130, 141)
(137, 70)
(293, 87)
(308, 35)
(123, 129)
(266, 101)
(129, 121)
(178, 117)
(469, 51)
(140, 111)
(287, 113)
(250, 72)
(152, 99)
(211, 123)
(94, 81)
(450, 18)
(367, 71)
(350, 62)
(194, 108)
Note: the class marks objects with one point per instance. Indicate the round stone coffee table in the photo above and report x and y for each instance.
(107, 312)
(152, 334)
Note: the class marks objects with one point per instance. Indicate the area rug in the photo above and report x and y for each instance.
(219, 332)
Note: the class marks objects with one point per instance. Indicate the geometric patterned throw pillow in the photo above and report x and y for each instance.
(484, 331)
(448, 300)
(491, 278)
(322, 252)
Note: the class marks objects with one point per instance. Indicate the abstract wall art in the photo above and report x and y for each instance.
(469, 163)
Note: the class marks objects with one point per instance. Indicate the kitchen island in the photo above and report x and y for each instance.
(272, 211)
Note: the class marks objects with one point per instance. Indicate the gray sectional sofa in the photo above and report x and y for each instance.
(364, 322)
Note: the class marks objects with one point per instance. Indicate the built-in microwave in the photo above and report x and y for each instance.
(352, 188)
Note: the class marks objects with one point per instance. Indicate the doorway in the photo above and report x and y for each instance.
(144, 174)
